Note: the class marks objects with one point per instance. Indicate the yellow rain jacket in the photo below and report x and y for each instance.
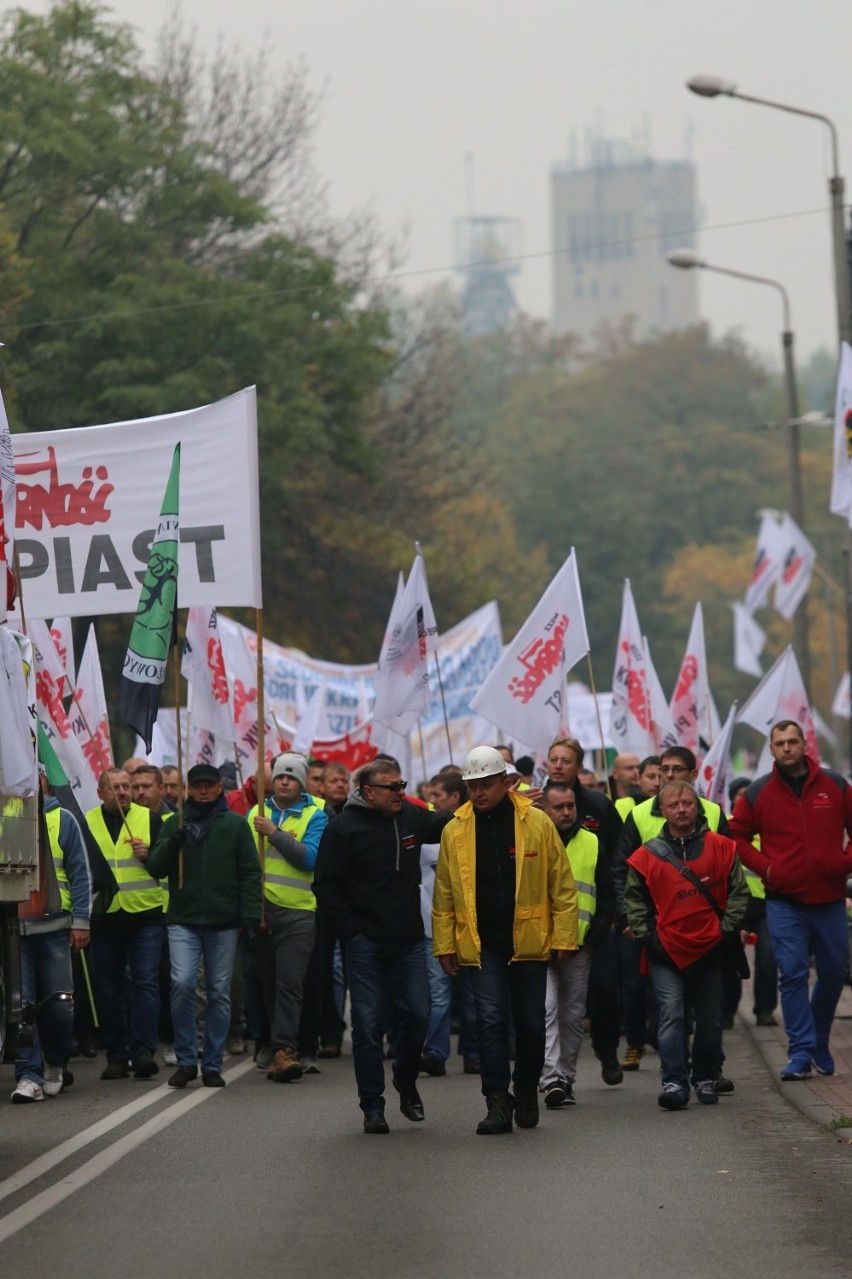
(545, 893)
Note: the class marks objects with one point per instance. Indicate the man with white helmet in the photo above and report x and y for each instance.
(504, 902)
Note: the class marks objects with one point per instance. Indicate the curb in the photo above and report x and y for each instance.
(799, 1094)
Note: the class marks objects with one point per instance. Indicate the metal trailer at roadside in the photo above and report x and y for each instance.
(19, 822)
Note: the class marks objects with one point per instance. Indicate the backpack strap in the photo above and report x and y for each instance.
(660, 849)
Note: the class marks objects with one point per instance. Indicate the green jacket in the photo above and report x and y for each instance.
(221, 875)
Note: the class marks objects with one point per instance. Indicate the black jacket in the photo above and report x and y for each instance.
(598, 814)
(367, 877)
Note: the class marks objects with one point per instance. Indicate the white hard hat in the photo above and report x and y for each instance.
(482, 761)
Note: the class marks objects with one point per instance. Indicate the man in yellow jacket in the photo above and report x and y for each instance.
(504, 902)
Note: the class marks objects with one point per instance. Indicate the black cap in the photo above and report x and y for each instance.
(736, 786)
(202, 773)
(228, 771)
(525, 765)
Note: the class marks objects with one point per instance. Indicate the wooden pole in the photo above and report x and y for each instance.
(20, 590)
(260, 780)
(422, 750)
(600, 722)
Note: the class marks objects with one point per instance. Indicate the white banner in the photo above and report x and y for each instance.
(89, 708)
(749, 639)
(402, 683)
(690, 704)
(766, 565)
(662, 724)
(797, 564)
(842, 704)
(780, 695)
(63, 640)
(715, 772)
(88, 501)
(203, 667)
(18, 768)
(631, 725)
(525, 693)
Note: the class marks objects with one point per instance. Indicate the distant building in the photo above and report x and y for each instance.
(486, 252)
(613, 223)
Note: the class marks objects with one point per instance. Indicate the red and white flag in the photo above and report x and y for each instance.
(749, 639)
(50, 682)
(715, 772)
(402, 682)
(307, 729)
(662, 724)
(242, 668)
(631, 725)
(797, 565)
(842, 704)
(766, 566)
(780, 695)
(690, 704)
(89, 707)
(841, 479)
(63, 639)
(526, 693)
(203, 667)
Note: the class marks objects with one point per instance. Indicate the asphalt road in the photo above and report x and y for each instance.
(130, 1179)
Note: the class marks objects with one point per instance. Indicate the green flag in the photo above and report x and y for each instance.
(154, 625)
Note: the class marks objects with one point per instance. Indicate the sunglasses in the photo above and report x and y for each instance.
(394, 786)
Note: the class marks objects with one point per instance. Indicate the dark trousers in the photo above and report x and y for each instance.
(377, 970)
(117, 950)
(699, 988)
(602, 1000)
(634, 989)
(501, 988)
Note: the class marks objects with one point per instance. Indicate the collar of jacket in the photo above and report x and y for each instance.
(296, 808)
(813, 769)
(465, 811)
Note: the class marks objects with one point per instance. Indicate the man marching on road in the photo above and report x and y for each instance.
(214, 890)
(367, 884)
(504, 901)
(686, 897)
(801, 812)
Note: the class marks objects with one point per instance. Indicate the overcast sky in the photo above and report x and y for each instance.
(411, 88)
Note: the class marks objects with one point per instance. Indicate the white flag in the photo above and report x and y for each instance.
(307, 729)
(48, 661)
(63, 640)
(662, 724)
(715, 772)
(402, 683)
(780, 695)
(766, 566)
(822, 729)
(841, 480)
(797, 564)
(690, 704)
(242, 668)
(631, 726)
(57, 725)
(525, 694)
(749, 639)
(89, 707)
(18, 767)
(842, 704)
(203, 667)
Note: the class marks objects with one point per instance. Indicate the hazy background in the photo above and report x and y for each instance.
(410, 89)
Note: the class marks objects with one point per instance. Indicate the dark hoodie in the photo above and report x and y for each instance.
(367, 877)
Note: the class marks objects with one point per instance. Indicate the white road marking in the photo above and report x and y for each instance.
(87, 1172)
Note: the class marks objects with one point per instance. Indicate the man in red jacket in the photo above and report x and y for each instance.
(801, 811)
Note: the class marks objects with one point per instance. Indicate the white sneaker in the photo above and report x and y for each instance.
(26, 1091)
(53, 1082)
(170, 1056)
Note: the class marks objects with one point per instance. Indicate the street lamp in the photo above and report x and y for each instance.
(687, 261)
(709, 86)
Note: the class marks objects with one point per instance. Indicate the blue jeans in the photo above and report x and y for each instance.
(188, 946)
(440, 993)
(500, 988)
(46, 971)
(116, 949)
(797, 931)
(468, 1039)
(376, 969)
(698, 988)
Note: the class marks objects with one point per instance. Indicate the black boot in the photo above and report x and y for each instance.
(526, 1107)
(499, 1117)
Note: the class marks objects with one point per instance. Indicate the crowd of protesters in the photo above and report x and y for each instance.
(190, 920)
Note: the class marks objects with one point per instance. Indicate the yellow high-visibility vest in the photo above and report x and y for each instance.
(51, 821)
(284, 883)
(582, 853)
(137, 890)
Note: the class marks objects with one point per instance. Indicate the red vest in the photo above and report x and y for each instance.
(687, 925)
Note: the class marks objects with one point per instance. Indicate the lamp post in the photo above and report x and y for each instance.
(710, 86)
(687, 260)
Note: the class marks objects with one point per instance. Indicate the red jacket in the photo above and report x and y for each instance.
(801, 839)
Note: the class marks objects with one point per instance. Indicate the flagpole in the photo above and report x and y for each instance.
(20, 590)
(176, 670)
(87, 979)
(444, 706)
(260, 780)
(600, 722)
(422, 749)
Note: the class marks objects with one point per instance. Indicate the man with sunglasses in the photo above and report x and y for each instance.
(367, 883)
